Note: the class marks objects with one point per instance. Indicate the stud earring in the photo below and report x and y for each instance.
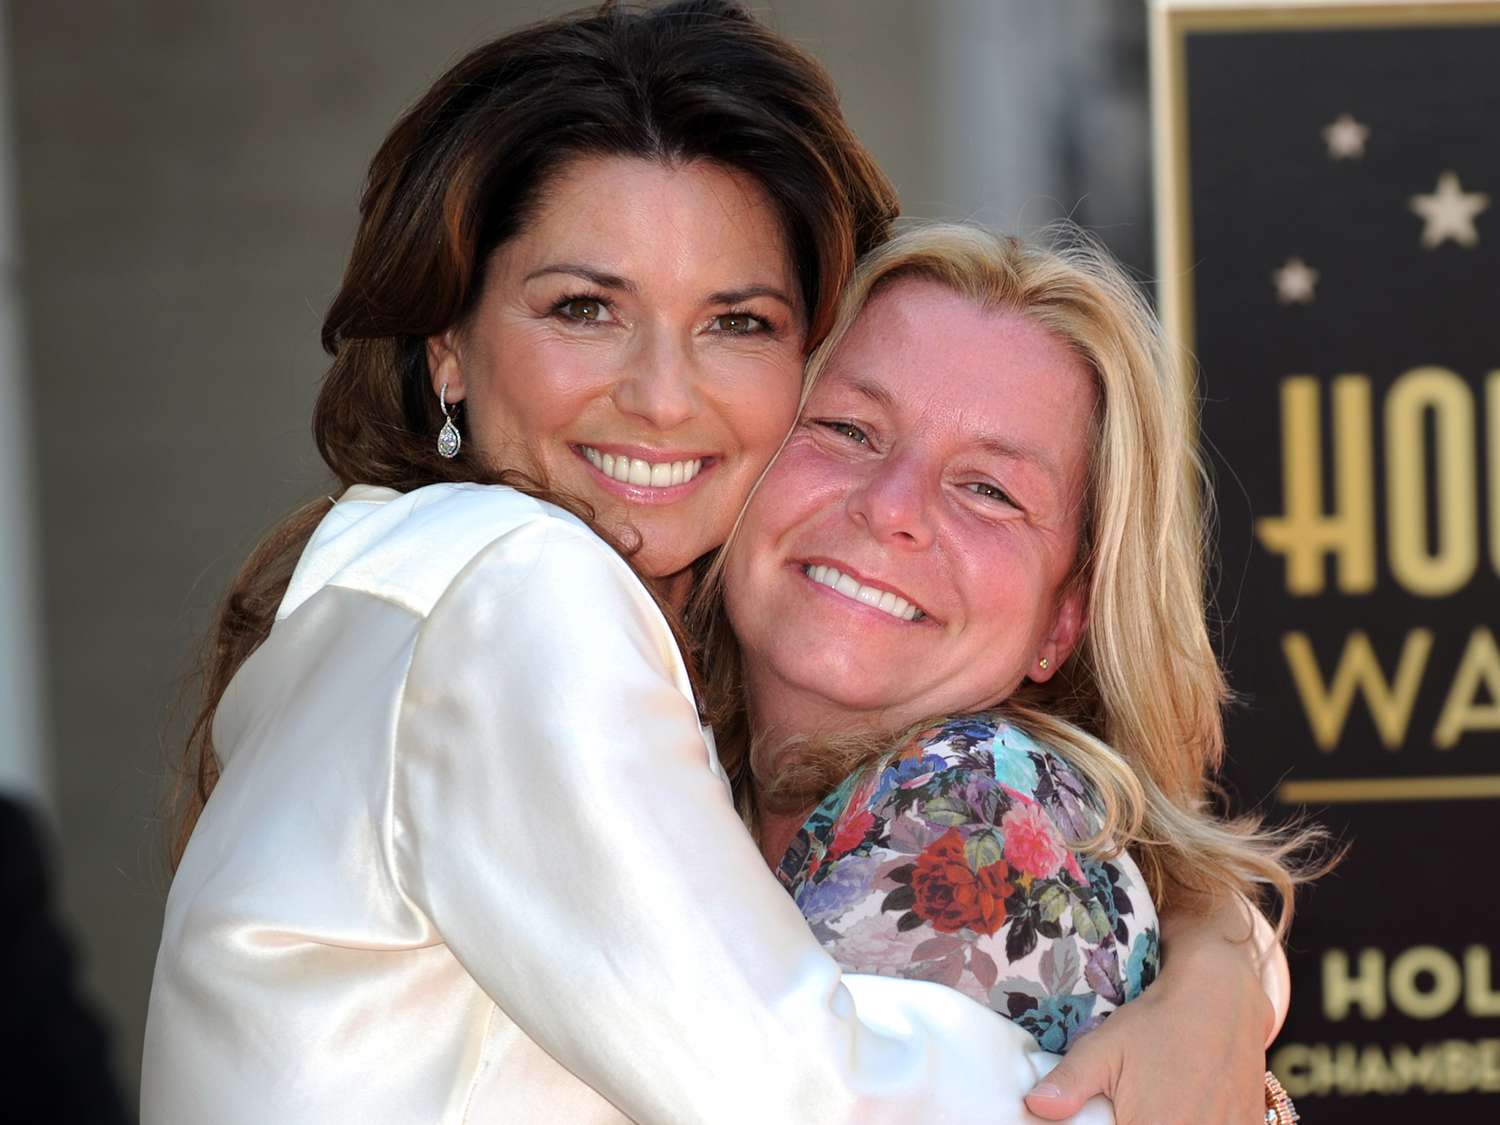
(449, 438)
(1042, 663)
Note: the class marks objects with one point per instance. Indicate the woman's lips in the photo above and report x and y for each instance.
(842, 582)
(638, 480)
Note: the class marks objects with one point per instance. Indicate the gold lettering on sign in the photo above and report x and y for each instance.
(1480, 997)
(1305, 533)
(1449, 1066)
(1364, 989)
(1447, 982)
(1478, 672)
(1327, 703)
(1437, 392)
(1492, 441)
(1423, 982)
(1415, 1068)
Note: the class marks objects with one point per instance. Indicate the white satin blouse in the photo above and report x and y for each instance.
(471, 859)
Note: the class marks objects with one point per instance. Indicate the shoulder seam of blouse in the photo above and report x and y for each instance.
(343, 549)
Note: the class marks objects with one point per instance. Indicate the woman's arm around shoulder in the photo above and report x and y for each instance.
(558, 820)
(1193, 1050)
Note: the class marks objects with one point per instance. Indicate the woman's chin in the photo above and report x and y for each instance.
(855, 690)
(660, 546)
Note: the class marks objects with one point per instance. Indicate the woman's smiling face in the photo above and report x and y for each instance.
(908, 554)
(638, 345)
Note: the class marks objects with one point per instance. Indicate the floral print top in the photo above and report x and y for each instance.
(949, 861)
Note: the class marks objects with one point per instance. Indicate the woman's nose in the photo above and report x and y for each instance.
(895, 503)
(660, 382)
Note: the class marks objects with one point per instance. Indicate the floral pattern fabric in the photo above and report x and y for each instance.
(950, 861)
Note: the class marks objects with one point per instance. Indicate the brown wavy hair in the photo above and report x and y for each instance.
(463, 170)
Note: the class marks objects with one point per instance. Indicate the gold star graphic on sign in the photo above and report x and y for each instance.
(1449, 212)
(1295, 282)
(1346, 138)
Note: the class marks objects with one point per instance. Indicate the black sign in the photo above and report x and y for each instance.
(1329, 190)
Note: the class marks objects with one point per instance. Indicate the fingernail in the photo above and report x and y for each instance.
(1045, 1090)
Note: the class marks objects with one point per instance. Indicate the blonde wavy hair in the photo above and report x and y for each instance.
(1137, 708)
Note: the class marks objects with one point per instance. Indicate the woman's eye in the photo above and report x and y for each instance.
(739, 324)
(848, 430)
(589, 309)
(991, 492)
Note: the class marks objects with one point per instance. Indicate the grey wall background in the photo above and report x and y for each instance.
(187, 179)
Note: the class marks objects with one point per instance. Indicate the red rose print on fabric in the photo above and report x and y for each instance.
(953, 896)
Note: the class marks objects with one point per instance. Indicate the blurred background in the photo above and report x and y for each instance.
(178, 193)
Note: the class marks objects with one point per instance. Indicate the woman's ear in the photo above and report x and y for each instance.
(445, 365)
(1066, 631)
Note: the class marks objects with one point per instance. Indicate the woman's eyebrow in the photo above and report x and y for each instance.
(588, 273)
(748, 292)
(615, 281)
(1005, 447)
(872, 391)
(1018, 451)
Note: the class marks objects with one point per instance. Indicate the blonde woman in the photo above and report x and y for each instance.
(968, 600)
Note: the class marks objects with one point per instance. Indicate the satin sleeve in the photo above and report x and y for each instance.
(557, 818)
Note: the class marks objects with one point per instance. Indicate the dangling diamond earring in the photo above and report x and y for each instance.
(449, 438)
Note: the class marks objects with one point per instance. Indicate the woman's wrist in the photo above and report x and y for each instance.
(1230, 950)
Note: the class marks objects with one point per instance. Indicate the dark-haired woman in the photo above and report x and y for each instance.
(468, 855)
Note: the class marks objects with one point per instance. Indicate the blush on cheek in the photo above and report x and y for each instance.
(802, 484)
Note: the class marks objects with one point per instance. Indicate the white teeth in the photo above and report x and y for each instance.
(643, 474)
(884, 600)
